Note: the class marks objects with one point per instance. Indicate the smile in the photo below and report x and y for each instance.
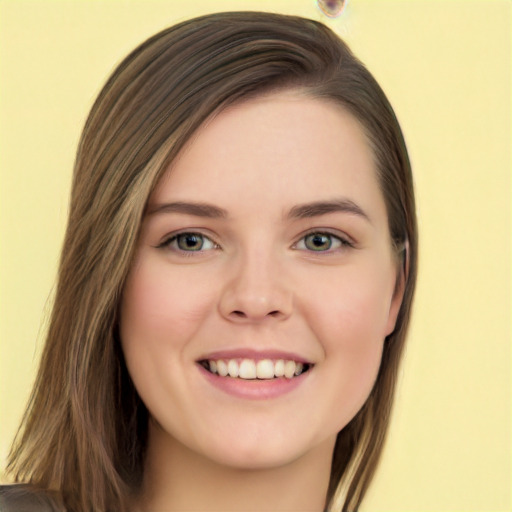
(251, 369)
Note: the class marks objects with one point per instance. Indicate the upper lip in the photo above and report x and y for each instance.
(257, 355)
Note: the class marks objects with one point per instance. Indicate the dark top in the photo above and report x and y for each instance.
(24, 498)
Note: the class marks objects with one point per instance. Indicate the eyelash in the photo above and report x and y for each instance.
(173, 240)
(344, 243)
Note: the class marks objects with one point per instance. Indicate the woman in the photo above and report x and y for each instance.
(235, 284)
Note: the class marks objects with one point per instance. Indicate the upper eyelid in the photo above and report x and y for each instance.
(173, 235)
(327, 231)
(344, 244)
(192, 231)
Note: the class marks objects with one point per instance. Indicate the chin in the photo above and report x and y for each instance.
(262, 452)
(255, 459)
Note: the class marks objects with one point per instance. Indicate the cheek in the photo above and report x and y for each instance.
(351, 308)
(161, 312)
(162, 306)
(349, 317)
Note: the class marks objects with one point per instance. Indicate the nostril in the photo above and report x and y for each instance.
(240, 314)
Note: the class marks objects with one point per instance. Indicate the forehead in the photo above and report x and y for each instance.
(283, 148)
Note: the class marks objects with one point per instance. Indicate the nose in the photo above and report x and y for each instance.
(256, 291)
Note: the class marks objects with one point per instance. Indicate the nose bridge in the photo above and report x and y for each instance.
(256, 288)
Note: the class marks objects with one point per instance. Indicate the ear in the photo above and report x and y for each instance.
(398, 293)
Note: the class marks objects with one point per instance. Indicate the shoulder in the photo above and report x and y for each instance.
(25, 498)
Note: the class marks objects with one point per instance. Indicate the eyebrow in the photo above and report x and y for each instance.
(317, 208)
(302, 211)
(196, 209)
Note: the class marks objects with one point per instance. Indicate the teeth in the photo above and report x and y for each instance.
(222, 368)
(265, 369)
(289, 369)
(279, 368)
(249, 369)
(233, 368)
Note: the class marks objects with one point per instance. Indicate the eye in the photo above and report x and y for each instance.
(321, 242)
(189, 242)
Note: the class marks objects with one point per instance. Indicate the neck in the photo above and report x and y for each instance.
(178, 479)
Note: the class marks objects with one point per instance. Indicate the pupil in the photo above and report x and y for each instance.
(319, 241)
(190, 242)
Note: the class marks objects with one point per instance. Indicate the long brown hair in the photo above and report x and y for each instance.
(84, 432)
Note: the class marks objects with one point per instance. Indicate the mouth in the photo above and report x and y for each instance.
(252, 369)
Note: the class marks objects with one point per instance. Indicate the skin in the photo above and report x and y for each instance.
(257, 284)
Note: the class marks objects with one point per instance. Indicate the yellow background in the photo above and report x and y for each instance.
(446, 67)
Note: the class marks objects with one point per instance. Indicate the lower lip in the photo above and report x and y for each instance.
(255, 389)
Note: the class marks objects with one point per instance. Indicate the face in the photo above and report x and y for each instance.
(265, 253)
